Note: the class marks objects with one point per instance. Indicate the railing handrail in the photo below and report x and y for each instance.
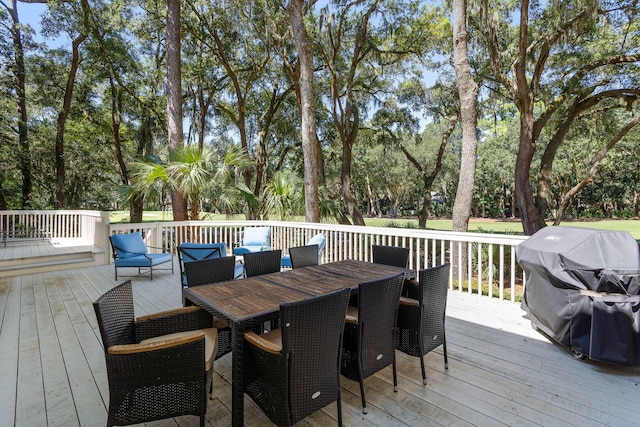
(484, 272)
(471, 237)
(487, 265)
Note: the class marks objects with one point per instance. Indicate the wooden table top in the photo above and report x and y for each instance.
(244, 299)
(363, 270)
(312, 280)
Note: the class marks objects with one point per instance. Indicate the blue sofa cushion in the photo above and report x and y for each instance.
(254, 239)
(199, 251)
(256, 236)
(286, 261)
(244, 249)
(128, 245)
(143, 260)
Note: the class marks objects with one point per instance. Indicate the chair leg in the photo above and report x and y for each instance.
(444, 350)
(364, 400)
(395, 377)
(339, 404)
(424, 374)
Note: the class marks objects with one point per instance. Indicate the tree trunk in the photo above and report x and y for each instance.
(543, 196)
(373, 199)
(21, 98)
(63, 115)
(310, 146)
(174, 98)
(115, 128)
(347, 195)
(145, 140)
(429, 178)
(531, 218)
(588, 178)
(203, 112)
(3, 199)
(467, 92)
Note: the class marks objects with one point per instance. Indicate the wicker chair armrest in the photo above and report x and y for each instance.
(409, 301)
(261, 343)
(168, 322)
(410, 289)
(123, 349)
(413, 282)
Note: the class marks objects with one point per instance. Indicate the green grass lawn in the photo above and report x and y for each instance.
(510, 227)
(476, 224)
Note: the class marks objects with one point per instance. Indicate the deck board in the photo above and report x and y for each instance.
(501, 371)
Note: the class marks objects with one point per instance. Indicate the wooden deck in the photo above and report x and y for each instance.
(25, 256)
(501, 372)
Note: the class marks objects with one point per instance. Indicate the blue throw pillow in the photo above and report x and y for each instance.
(129, 245)
(256, 236)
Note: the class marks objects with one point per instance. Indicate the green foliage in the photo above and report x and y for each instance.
(486, 252)
(283, 198)
(188, 171)
(403, 224)
(238, 68)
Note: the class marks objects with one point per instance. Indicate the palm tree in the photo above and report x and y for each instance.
(283, 197)
(188, 171)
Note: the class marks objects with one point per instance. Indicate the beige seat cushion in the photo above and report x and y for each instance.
(210, 343)
(409, 301)
(219, 323)
(352, 314)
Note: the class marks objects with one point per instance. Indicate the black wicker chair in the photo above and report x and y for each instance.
(293, 372)
(265, 262)
(206, 271)
(189, 252)
(158, 366)
(420, 325)
(211, 270)
(369, 332)
(303, 256)
(396, 256)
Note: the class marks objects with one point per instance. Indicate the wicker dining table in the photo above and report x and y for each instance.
(246, 303)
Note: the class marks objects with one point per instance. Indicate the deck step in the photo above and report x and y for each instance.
(46, 263)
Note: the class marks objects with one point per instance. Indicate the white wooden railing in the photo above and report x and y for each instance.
(488, 264)
(88, 227)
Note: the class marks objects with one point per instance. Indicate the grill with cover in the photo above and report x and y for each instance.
(583, 290)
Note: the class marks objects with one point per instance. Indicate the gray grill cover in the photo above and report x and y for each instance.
(583, 290)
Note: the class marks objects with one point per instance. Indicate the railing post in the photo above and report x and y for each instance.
(101, 238)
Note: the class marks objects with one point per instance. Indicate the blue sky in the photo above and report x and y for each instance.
(31, 14)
